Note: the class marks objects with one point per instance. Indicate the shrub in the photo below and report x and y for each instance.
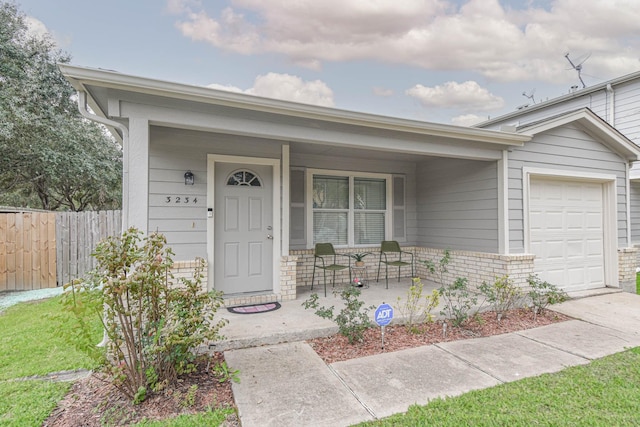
(418, 307)
(458, 301)
(502, 295)
(153, 324)
(457, 297)
(542, 294)
(352, 320)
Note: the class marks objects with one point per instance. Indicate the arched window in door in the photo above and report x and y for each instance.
(244, 178)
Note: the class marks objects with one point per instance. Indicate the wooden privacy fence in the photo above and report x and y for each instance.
(48, 249)
(77, 234)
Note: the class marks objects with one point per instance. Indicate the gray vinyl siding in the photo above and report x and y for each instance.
(458, 205)
(361, 164)
(635, 212)
(565, 148)
(171, 153)
(627, 110)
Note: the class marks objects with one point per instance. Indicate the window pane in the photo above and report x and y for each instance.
(369, 228)
(330, 227)
(330, 192)
(370, 194)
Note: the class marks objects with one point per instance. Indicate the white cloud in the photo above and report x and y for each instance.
(468, 120)
(501, 43)
(466, 96)
(286, 87)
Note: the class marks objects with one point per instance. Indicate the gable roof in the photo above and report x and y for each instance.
(97, 83)
(592, 124)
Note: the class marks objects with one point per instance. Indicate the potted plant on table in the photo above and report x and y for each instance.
(359, 258)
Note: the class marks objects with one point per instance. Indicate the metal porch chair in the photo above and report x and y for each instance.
(326, 255)
(392, 253)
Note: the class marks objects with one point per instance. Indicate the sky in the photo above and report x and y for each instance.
(444, 61)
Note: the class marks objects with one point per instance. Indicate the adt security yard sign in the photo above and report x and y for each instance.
(384, 314)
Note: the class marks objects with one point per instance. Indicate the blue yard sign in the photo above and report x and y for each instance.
(384, 314)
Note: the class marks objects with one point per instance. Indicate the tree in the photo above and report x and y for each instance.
(51, 154)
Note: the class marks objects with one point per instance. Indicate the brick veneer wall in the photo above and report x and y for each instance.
(288, 273)
(479, 267)
(475, 266)
(627, 263)
(185, 270)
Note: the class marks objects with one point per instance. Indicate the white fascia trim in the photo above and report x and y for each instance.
(88, 76)
(609, 211)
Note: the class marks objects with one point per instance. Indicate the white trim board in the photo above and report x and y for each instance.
(212, 159)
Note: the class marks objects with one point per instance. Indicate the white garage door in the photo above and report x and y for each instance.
(566, 233)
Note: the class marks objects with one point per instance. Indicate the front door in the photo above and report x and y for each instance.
(243, 239)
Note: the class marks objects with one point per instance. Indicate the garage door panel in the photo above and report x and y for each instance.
(595, 249)
(566, 233)
(575, 249)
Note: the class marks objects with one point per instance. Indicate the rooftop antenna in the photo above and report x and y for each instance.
(530, 95)
(578, 65)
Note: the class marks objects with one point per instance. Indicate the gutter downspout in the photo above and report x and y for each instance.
(612, 109)
(82, 107)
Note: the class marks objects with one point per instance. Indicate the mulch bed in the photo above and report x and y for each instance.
(336, 348)
(95, 402)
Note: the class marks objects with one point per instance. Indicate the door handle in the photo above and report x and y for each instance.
(269, 236)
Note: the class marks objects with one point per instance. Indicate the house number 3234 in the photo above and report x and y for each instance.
(181, 199)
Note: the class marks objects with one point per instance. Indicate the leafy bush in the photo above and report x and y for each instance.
(352, 320)
(153, 324)
(502, 295)
(418, 307)
(543, 294)
(458, 301)
(457, 297)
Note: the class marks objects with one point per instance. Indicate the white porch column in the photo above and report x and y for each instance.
(137, 188)
(503, 204)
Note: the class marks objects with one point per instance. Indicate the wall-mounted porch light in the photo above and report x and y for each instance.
(189, 178)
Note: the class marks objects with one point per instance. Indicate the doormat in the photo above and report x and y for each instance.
(256, 308)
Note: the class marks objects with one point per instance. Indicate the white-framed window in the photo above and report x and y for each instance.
(348, 208)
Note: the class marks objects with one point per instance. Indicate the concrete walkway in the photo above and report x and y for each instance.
(287, 384)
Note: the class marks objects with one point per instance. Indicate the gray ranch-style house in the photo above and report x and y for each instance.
(271, 178)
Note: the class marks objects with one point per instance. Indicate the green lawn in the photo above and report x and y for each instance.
(638, 283)
(31, 345)
(604, 393)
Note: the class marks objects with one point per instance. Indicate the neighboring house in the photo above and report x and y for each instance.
(617, 101)
(272, 177)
